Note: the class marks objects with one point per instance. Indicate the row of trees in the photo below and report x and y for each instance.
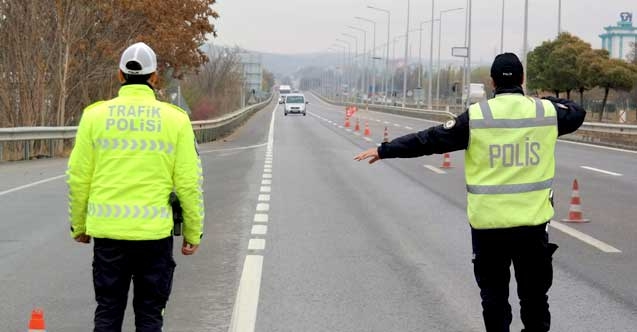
(60, 55)
(569, 64)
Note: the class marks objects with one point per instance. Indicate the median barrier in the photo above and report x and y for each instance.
(27, 143)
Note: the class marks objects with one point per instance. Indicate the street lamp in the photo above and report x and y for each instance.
(364, 78)
(431, 56)
(348, 63)
(406, 56)
(526, 39)
(373, 55)
(387, 54)
(343, 64)
(355, 69)
(439, 47)
(502, 30)
(420, 53)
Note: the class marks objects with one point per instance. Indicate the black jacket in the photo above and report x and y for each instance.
(439, 139)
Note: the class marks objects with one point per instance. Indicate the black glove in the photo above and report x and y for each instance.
(564, 103)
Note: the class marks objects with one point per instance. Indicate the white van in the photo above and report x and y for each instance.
(295, 103)
(284, 90)
(476, 93)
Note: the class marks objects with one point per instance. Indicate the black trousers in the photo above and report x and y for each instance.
(531, 253)
(149, 264)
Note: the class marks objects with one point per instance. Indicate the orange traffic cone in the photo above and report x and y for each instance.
(446, 162)
(575, 210)
(347, 125)
(367, 131)
(385, 136)
(358, 126)
(36, 324)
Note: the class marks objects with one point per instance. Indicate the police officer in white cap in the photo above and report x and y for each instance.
(130, 153)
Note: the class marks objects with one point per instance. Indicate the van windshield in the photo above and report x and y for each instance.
(295, 100)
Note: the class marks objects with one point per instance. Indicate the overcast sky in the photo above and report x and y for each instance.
(307, 26)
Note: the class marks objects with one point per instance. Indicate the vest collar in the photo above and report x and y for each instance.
(137, 90)
(509, 90)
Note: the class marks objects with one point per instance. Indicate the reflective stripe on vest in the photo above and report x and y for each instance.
(509, 188)
(489, 122)
(509, 163)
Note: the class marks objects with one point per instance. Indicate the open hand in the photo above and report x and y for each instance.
(371, 154)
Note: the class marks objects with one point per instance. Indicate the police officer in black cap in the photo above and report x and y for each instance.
(509, 168)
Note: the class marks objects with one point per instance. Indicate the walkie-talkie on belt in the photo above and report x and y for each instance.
(178, 219)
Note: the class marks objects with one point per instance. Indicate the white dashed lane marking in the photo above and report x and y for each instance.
(261, 217)
(264, 198)
(259, 229)
(435, 169)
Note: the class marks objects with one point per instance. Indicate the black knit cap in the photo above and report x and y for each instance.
(507, 70)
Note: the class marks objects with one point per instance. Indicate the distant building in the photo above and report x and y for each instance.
(617, 39)
(252, 73)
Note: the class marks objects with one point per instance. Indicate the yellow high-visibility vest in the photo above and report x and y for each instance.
(130, 153)
(510, 162)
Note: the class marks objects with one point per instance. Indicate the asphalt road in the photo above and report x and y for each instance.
(299, 237)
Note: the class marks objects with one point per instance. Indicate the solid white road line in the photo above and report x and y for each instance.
(244, 314)
(33, 184)
(261, 217)
(584, 237)
(597, 146)
(600, 171)
(409, 128)
(264, 198)
(234, 149)
(435, 169)
(259, 230)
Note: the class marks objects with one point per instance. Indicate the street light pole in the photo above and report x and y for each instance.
(439, 48)
(559, 17)
(373, 55)
(355, 69)
(468, 68)
(526, 39)
(388, 39)
(502, 30)
(431, 56)
(420, 53)
(364, 78)
(406, 56)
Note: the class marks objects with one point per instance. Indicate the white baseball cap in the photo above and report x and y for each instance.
(138, 59)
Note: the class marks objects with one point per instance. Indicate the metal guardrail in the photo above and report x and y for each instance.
(588, 126)
(610, 128)
(205, 131)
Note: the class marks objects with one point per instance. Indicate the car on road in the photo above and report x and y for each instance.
(295, 103)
